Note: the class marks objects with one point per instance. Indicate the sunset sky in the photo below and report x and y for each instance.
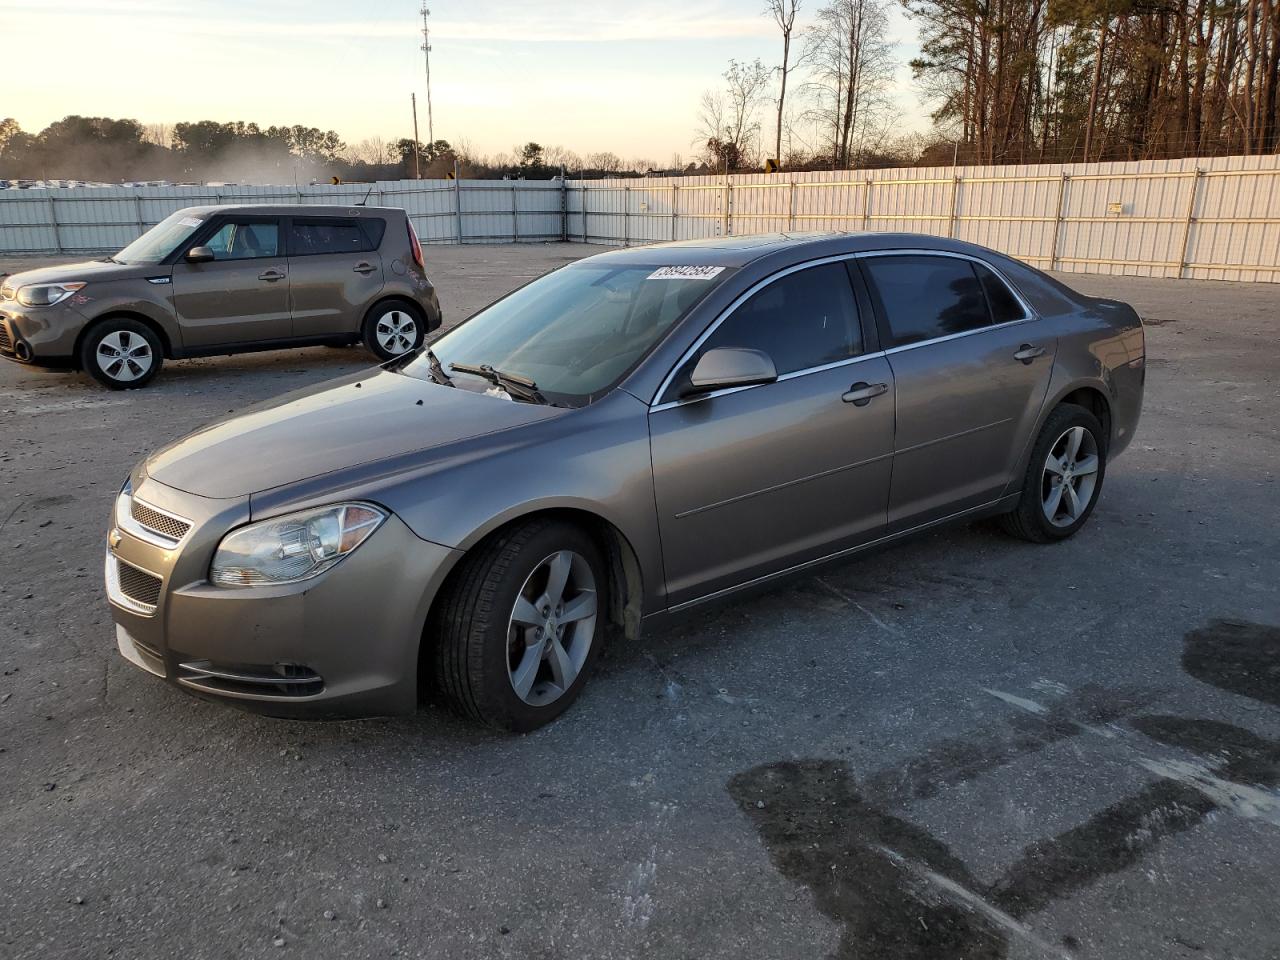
(608, 75)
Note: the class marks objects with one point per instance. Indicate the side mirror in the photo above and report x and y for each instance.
(727, 367)
(199, 255)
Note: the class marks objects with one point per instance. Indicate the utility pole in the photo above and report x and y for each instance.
(417, 160)
(426, 57)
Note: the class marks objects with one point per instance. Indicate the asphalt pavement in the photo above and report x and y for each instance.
(966, 747)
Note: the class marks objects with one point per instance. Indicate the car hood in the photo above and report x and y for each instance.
(344, 423)
(90, 271)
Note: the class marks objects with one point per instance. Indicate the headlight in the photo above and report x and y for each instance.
(46, 294)
(293, 547)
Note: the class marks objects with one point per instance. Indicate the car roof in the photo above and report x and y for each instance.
(784, 248)
(293, 209)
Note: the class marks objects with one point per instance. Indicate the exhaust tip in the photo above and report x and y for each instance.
(22, 351)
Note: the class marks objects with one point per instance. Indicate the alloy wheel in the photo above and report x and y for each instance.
(124, 356)
(552, 626)
(1070, 476)
(396, 332)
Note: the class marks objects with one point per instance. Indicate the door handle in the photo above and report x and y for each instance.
(861, 393)
(1028, 352)
(271, 276)
(364, 268)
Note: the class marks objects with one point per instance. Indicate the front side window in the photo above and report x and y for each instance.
(921, 297)
(311, 237)
(244, 240)
(805, 319)
(574, 332)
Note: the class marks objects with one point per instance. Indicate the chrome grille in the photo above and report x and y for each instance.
(254, 680)
(164, 524)
(6, 341)
(139, 586)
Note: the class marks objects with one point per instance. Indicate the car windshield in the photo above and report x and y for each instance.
(574, 332)
(161, 240)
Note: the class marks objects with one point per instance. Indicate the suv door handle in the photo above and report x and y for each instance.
(861, 393)
(1028, 352)
(271, 276)
(363, 267)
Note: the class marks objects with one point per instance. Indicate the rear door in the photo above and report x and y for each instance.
(242, 296)
(972, 363)
(750, 481)
(335, 272)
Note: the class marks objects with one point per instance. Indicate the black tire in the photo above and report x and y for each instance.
(471, 625)
(128, 369)
(399, 314)
(1029, 520)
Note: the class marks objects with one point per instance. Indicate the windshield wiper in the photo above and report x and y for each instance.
(437, 369)
(516, 386)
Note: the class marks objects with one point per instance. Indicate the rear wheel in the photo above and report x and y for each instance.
(1063, 479)
(393, 328)
(518, 628)
(121, 353)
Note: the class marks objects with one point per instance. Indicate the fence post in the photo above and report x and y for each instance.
(626, 216)
(564, 207)
(515, 213)
(1191, 219)
(866, 206)
(137, 209)
(457, 200)
(53, 219)
(791, 207)
(1057, 219)
(675, 208)
(955, 202)
(582, 185)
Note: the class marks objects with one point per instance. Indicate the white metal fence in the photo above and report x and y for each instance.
(1215, 218)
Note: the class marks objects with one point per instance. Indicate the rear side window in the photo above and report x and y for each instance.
(373, 230)
(920, 297)
(805, 319)
(1005, 307)
(311, 237)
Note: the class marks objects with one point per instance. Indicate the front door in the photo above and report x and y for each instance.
(753, 480)
(335, 273)
(972, 364)
(242, 295)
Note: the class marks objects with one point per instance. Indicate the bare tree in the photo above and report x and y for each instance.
(784, 15)
(161, 134)
(373, 151)
(729, 120)
(851, 71)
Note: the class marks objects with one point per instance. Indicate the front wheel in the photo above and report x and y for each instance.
(1063, 479)
(518, 628)
(392, 329)
(121, 353)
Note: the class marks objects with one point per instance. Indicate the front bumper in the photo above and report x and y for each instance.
(343, 644)
(39, 334)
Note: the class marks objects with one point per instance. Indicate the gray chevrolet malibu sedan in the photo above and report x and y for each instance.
(621, 440)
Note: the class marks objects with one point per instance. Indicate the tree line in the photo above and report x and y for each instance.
(104, 149)
(1007, 81)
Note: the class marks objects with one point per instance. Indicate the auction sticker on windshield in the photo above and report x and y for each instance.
(685, 273)
(190, 222)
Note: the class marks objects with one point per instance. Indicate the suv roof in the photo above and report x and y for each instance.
(294, 209)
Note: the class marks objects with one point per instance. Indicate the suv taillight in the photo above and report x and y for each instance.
(414, 245)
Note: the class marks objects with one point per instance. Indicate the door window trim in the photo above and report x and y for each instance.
(728, 312)
(1028, 314)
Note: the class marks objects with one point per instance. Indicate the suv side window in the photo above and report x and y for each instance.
(245, 240)
(312, 237)
(805, 319)
(920, 297)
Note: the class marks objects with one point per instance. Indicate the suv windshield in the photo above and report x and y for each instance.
(161, 240)
(576, 331)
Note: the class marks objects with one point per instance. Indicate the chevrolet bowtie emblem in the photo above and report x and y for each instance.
(114, 538)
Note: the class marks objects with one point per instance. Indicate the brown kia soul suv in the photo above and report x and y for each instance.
(221, 280)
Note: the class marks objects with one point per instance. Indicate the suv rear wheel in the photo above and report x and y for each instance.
(393, 328)
(121, 353)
